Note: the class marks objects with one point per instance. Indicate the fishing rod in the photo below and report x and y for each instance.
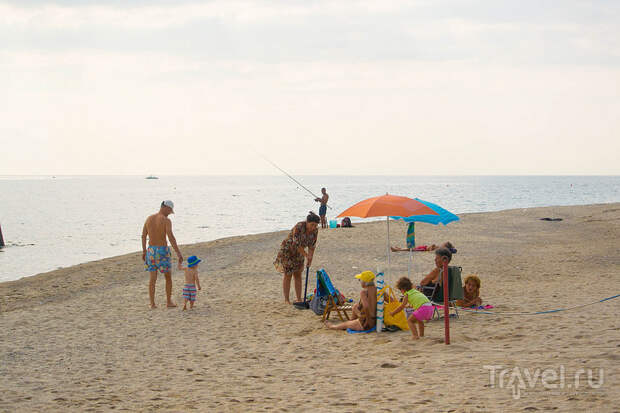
(295, 180)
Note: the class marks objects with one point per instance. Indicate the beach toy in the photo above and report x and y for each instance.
(333, 223)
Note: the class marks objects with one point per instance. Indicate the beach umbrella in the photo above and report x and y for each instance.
(438, 215)
(397, 207)
(441, 216)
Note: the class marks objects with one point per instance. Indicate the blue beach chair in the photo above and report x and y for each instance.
(325, 287)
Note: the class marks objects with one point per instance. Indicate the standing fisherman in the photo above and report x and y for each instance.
(323, 207)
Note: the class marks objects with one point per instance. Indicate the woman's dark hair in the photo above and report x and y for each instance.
(312, 217)
(404, 284)
(444, 252)
(449, 245)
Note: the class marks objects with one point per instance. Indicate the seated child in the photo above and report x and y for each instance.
(471, 292)
(432, 247)
(364, 312)
(191, 281)
(423, 309)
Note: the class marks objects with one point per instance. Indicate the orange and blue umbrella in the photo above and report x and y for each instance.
(433, 215)
(398, 207)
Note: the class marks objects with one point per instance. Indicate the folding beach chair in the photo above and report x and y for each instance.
(430, 290)
(325, 287)
(455, 291)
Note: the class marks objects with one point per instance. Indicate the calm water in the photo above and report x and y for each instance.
(58, 222)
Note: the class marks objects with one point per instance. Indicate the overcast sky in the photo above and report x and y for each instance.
(319, 87)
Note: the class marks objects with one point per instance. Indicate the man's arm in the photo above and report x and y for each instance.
(144, 234)
(172, 239)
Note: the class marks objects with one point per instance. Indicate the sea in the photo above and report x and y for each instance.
(51, 222)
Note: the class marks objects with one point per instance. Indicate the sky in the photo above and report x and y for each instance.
(418, 87)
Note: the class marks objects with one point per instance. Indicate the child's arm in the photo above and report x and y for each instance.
(197, 280)
(402, 305)
(470, 301)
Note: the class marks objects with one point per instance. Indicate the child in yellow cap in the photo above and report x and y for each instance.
(422, 307)
(365, 311)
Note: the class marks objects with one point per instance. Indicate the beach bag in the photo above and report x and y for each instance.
(346, 222)
(318, 304)
(390, 303)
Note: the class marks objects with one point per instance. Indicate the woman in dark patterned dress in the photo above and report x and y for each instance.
(290, 259)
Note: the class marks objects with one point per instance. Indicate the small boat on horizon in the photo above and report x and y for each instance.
(151, 177)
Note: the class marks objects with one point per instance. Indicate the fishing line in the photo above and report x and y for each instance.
(287, 174)
(541, 312)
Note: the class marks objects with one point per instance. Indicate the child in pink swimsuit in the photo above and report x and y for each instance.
(422, 307)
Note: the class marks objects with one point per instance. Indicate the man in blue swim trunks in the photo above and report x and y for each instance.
(323, 207)
(157, 257)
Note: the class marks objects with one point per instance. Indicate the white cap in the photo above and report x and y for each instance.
(168, 203)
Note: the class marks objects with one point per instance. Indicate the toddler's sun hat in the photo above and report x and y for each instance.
(192, 261)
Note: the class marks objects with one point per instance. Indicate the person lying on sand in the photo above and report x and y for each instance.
(471, 292)
(432, 247)
(365, 311)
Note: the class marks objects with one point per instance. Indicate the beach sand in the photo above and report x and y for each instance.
(84, 339)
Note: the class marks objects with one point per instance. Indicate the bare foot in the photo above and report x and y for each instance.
(171, 305)
(287, 302)
(415, 338)
(327, 324)
(153, 306)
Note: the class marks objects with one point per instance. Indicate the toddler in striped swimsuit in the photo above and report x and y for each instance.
(191, 281)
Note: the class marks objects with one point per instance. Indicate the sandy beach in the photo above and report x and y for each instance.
(84, 339)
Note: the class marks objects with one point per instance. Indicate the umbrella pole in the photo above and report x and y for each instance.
(410, 263)
(388, 244)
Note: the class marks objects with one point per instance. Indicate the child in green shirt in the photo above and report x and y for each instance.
(422, 307)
